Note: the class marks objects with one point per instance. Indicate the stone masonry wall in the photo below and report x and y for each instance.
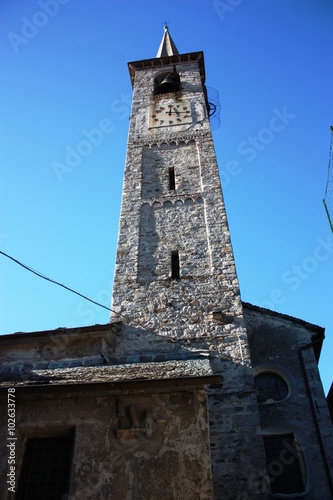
(155, 220)
(155, 162)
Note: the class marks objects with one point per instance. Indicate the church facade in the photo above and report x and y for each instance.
(188, 393)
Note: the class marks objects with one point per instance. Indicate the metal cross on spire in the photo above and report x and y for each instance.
(167, 46)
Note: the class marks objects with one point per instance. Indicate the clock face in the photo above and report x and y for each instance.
(169, 112)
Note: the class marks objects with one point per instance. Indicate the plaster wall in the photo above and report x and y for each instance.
(128, 445)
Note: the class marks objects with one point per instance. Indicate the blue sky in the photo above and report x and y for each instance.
(65, 76)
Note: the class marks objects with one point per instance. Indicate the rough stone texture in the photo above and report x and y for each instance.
(156, 220)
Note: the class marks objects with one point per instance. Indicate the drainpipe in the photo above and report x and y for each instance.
(308, 388)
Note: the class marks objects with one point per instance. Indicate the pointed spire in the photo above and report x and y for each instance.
(167, 47)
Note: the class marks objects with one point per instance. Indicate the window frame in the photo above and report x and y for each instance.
(280, 370)
(279, 462)
(279, 378)
(32, 447)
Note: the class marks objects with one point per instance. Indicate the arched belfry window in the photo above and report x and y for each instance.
(167, 82)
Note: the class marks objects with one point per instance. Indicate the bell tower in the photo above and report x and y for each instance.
(175, 270)
(175, 286)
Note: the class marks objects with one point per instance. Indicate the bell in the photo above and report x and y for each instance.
(169, 83)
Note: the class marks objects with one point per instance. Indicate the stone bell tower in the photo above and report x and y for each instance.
(175, 269)
(175, 273)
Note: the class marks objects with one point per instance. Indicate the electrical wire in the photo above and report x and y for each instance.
(40, 275)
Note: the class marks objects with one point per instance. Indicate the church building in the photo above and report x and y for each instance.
(188, 393)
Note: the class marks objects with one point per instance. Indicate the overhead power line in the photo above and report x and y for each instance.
(40, 275)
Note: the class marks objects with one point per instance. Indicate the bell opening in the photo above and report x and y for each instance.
(166, 83)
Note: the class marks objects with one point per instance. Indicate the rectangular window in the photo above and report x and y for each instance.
(172, 181)
(285, 464)
(46, 466)
(175, 265)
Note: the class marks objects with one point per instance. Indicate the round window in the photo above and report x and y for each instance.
(271, 387)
